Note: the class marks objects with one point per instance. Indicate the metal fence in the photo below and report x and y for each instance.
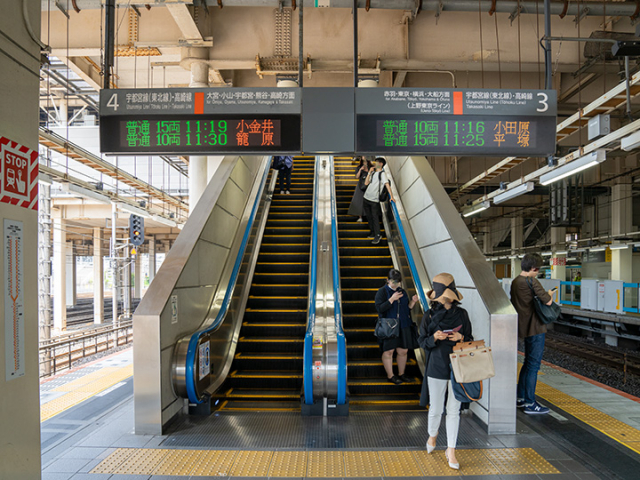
(60, 353)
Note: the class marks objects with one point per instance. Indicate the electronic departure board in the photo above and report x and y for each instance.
(455, 122)
(200, 121)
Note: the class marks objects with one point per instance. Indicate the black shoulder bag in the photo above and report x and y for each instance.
(388, 327)
(546, 313)
(383, 193)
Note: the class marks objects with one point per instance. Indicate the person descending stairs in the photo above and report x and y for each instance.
(266, 373)
(363, 269)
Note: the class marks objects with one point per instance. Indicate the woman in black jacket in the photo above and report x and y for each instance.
(443, 325)
(393, 302)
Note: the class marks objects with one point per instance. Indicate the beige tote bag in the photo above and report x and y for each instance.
(472, 362)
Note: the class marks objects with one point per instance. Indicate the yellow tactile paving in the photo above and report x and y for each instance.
(113, 461)
(434, 464)
(215, 463)
(613, 428)
(251, 464)
(510, 461)
(362, 464)
(84, 391)
(84, 380)
(288, 464)
(325, 464)
(399, 464)
(142, 461)
(179, 462)
(317, 464)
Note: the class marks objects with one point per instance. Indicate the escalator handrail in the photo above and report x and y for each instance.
(337, 295)
(313, 270)
(195, 337)
(412, 266)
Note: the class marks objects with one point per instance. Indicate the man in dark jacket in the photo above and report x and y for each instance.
(531, 329)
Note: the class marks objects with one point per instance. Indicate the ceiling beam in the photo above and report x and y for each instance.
(85, 69)
(185, 21)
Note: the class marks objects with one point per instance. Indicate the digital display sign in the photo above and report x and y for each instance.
(453, 134)
(204, 134)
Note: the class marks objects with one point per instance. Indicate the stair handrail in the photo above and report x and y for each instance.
(193, 341)
(337, 295)
(307, 356)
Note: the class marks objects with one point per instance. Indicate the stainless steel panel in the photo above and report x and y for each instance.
(416, 199)
(184, 265)
(233, 199)
(221, 228)
(438, 258)
(243, 177)
(429, 236)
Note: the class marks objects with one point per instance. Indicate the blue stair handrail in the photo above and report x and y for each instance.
(412, 266)
(307, 358)
(337, 296)
(193, 341)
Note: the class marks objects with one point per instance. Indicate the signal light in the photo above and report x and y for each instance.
(136, 230)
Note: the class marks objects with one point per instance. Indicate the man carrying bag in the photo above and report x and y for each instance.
(524, 288)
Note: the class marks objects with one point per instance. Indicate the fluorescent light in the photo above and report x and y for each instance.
(631, 142)
(476, 209)
(513, 256)
(85, 192)
(163, 220)
(561, 252)
(571, 168)
(618, 246)
(546, 254)
(136, 211)
(598, 249)
(181, 226)
(513, 192)
(44, 179)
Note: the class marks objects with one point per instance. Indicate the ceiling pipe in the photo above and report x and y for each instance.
(560, 8)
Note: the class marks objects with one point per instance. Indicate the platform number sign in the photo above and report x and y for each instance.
(204, 360)
(136, 230)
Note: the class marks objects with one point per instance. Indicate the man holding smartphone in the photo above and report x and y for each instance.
(531, 329)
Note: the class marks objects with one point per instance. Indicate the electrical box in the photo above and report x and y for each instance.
(614, 296)
(589, 294)
(599, 126)
(550, 284)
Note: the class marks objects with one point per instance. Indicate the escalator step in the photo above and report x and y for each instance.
(287, 290)
(275, 315)
(282, 268)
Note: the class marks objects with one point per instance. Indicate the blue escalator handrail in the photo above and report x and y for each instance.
(307, 382)
(337, 309)
(412, 266)
(193, 341)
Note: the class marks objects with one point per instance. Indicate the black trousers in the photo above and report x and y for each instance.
(373, 212)
(285, 177)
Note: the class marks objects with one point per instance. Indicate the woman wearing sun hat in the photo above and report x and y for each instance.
(443, 325)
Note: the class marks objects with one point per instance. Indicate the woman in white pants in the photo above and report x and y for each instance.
(444, 324)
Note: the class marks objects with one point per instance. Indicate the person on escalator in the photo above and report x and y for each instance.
(356, 206)
(391, 302)
(284, 165)
(376, 182)
(443, 325)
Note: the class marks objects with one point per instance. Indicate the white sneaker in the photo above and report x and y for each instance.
(288, 192)
(359, 220)
(281, 192)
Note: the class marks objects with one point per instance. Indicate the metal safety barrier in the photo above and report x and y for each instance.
(56, 355)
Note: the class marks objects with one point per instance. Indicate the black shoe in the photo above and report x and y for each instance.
(405, 379)
(371, 235)
(395, 379)
(376, 240)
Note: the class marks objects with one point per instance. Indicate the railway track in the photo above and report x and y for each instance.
(625, 362)
(82, 313)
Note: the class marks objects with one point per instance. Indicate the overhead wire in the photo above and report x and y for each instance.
(481, 45)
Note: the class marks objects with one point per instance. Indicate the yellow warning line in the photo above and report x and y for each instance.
(611, 427)
(322, 464)
(84, 391)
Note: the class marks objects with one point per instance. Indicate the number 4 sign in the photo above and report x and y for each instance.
(19, 174)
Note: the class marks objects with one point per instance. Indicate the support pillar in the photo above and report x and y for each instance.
(152, 259)
(71, 276)
(137, 277)
(213, 162)
(98, 276)
(558, 262)
(59, 273)
(198, 163)
(517, 242)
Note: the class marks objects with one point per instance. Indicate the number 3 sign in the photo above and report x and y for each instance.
(19, 174)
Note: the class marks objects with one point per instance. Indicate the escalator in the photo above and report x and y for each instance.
(363, 269)
(266, 373)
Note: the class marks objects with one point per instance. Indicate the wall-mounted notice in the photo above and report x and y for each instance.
(174, 309)
(19, 173)
(204, 360)
(13, 299)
